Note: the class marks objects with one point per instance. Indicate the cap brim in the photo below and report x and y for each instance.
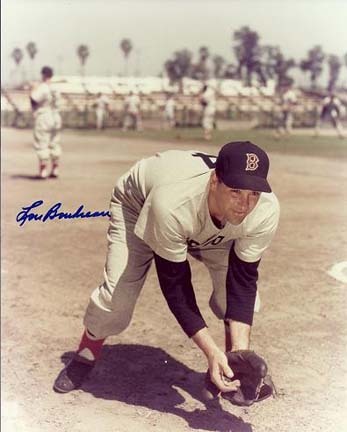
(249, 182)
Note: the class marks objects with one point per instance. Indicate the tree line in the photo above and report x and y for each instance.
(254, 62)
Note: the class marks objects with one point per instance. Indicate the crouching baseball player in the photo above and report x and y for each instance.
(220, 211)
(47, 125)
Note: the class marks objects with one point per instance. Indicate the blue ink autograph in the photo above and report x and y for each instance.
(26, 214)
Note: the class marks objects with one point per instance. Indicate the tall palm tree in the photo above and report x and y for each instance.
(32, 51)
(247, 52)
(179, 66)
(200, 70)
(270, 55)
(126, 46)
(218, 63)
(17, 56)
(313, 64)
(83, 54)
(334, 64)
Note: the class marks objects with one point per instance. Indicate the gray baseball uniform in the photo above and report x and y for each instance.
(160, 207)
(48, 123)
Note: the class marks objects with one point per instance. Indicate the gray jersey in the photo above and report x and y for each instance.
(168, 193)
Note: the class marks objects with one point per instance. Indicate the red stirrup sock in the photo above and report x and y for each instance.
(90, 348)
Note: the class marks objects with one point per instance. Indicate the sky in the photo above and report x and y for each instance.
(158, 28)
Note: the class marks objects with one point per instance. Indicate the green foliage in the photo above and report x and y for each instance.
(17, 55)
(126, 46)
(31, 49)
(179, 66)
(313, 64)
(83, 53)
(334, 65)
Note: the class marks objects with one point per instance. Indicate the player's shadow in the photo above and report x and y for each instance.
(25, 177)
(148, 377)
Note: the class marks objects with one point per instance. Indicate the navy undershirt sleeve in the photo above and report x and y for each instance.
(241, 285)
(176, 285)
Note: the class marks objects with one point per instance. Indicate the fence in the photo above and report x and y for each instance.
(78, 110)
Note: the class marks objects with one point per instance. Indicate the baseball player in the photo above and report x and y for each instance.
(220, 211)
(47, 124)
(169, 111)
(288, 101)
(208, 103)
(101, 106)
(132, 112)
(331, 109)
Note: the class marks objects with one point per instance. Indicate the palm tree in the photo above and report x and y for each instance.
(32, 51)
(281, 67)
(313, 64)
(179, 67)
(334, 65)
(218, 63)
(230, 71)
(17, 56)
(83, 54)
(270, 54)
(126, 46)
(200, 70)
(247, 52)
(276, 66)
(204, 54)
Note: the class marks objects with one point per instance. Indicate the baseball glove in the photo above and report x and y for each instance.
(251, 370)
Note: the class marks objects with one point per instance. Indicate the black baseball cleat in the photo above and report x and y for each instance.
(73, 374)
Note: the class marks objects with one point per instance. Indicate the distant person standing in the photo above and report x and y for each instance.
(288, 101)
(47, 124)
(332, 110)
(208, 103)
(132, 112)
(101, 107)
(169, 111)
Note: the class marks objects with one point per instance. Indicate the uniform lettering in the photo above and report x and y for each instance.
(211, 241)
(217, 240)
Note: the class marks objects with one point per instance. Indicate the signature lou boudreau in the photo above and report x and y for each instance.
(30, 213)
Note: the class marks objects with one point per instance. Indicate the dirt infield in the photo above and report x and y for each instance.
(150, 376)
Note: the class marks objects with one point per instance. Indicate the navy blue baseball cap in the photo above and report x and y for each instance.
(243, 165)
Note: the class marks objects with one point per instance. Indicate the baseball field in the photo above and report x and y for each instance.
(150, 377)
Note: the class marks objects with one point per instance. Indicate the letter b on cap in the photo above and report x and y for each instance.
(252, 162)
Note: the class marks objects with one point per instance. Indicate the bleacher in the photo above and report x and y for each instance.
(234, 101)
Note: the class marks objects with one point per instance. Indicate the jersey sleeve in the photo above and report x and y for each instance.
(38, 94)
(176, 285)
(251, 246)
(241, 286)
(160, 228)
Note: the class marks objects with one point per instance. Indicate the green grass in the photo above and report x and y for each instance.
(306, 145)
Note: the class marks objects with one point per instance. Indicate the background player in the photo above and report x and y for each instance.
(169, 111)
(132, 112)
(101, 106)
(208, 103)
(288, 101)
(45, 102)
(221, 212)
(331, 110)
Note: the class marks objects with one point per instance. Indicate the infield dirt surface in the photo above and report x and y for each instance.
(150, 377)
